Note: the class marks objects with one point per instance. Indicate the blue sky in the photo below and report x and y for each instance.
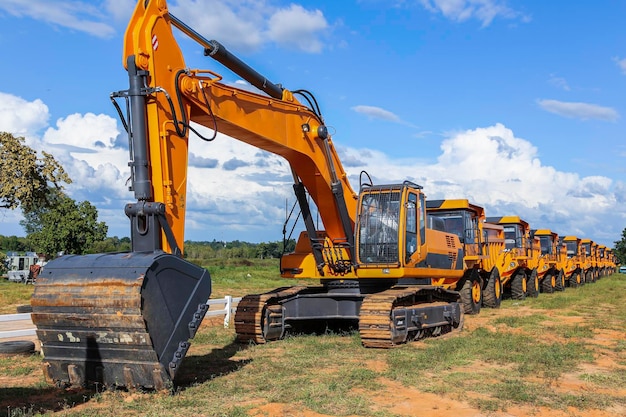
(516, 105)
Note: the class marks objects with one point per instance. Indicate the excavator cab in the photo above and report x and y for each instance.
(390, 225)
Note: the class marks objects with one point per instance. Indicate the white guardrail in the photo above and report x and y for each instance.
(230, 305)
(21, 324)
(18, 325)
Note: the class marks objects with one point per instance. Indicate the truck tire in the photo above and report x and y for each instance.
(560, 281)
(532, 285)
(574, 280)
(548, 284)
(492, 295)
(17, 347)
(518, 286)
(471, 296)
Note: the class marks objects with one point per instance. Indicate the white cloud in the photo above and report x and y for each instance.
(120, 9)
(559, 82)
(87, 131)
(494, 169)
(85, 146)
(77, 15)
(376, 113)
(247, 25)
(483, 10)
(298, 27)
(488, 165)
(21, 117)
(247, 200)
(621, 63)
(236, 24)
(578, 110)
(244, 24)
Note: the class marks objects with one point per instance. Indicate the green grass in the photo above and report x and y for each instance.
(238, 277)
(612, 378)
(522, 322)
(575, 331)
(13, 294)
(16, 368)
(517, 359)
(523, 353)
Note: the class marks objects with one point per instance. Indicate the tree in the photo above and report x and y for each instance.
(63, 226)
(3, 264)
(25, 179)
(620, 248)
(13, 243)
(111, 244)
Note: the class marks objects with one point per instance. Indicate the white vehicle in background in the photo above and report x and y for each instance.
(19, 266)
(622, 269)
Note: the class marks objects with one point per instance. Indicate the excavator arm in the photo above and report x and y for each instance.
(168, 96)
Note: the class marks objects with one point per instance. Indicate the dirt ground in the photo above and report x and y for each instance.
(406, 401)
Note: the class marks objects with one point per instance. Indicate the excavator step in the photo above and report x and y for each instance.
(121, 320)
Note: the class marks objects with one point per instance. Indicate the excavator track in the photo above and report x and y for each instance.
(259, 317)
(402, 314)
(386, 319)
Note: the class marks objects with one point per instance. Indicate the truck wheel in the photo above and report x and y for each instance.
(560, 282)
(518, 286)
(589, 278)
(548, 284)
(574, 280)
(532, 285)
(17, 347)
(492, 296)
(471, 296)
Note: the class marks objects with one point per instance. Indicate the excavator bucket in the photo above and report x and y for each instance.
(119, 319)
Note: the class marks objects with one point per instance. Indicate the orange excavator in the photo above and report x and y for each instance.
(126, 319)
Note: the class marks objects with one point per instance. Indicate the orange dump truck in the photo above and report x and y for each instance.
(519, 260)
(551, 262)
(483, 244)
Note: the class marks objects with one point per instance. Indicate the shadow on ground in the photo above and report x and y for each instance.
(195, 369)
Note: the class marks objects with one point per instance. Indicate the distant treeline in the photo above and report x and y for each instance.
(193, 250)
(237, 249)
